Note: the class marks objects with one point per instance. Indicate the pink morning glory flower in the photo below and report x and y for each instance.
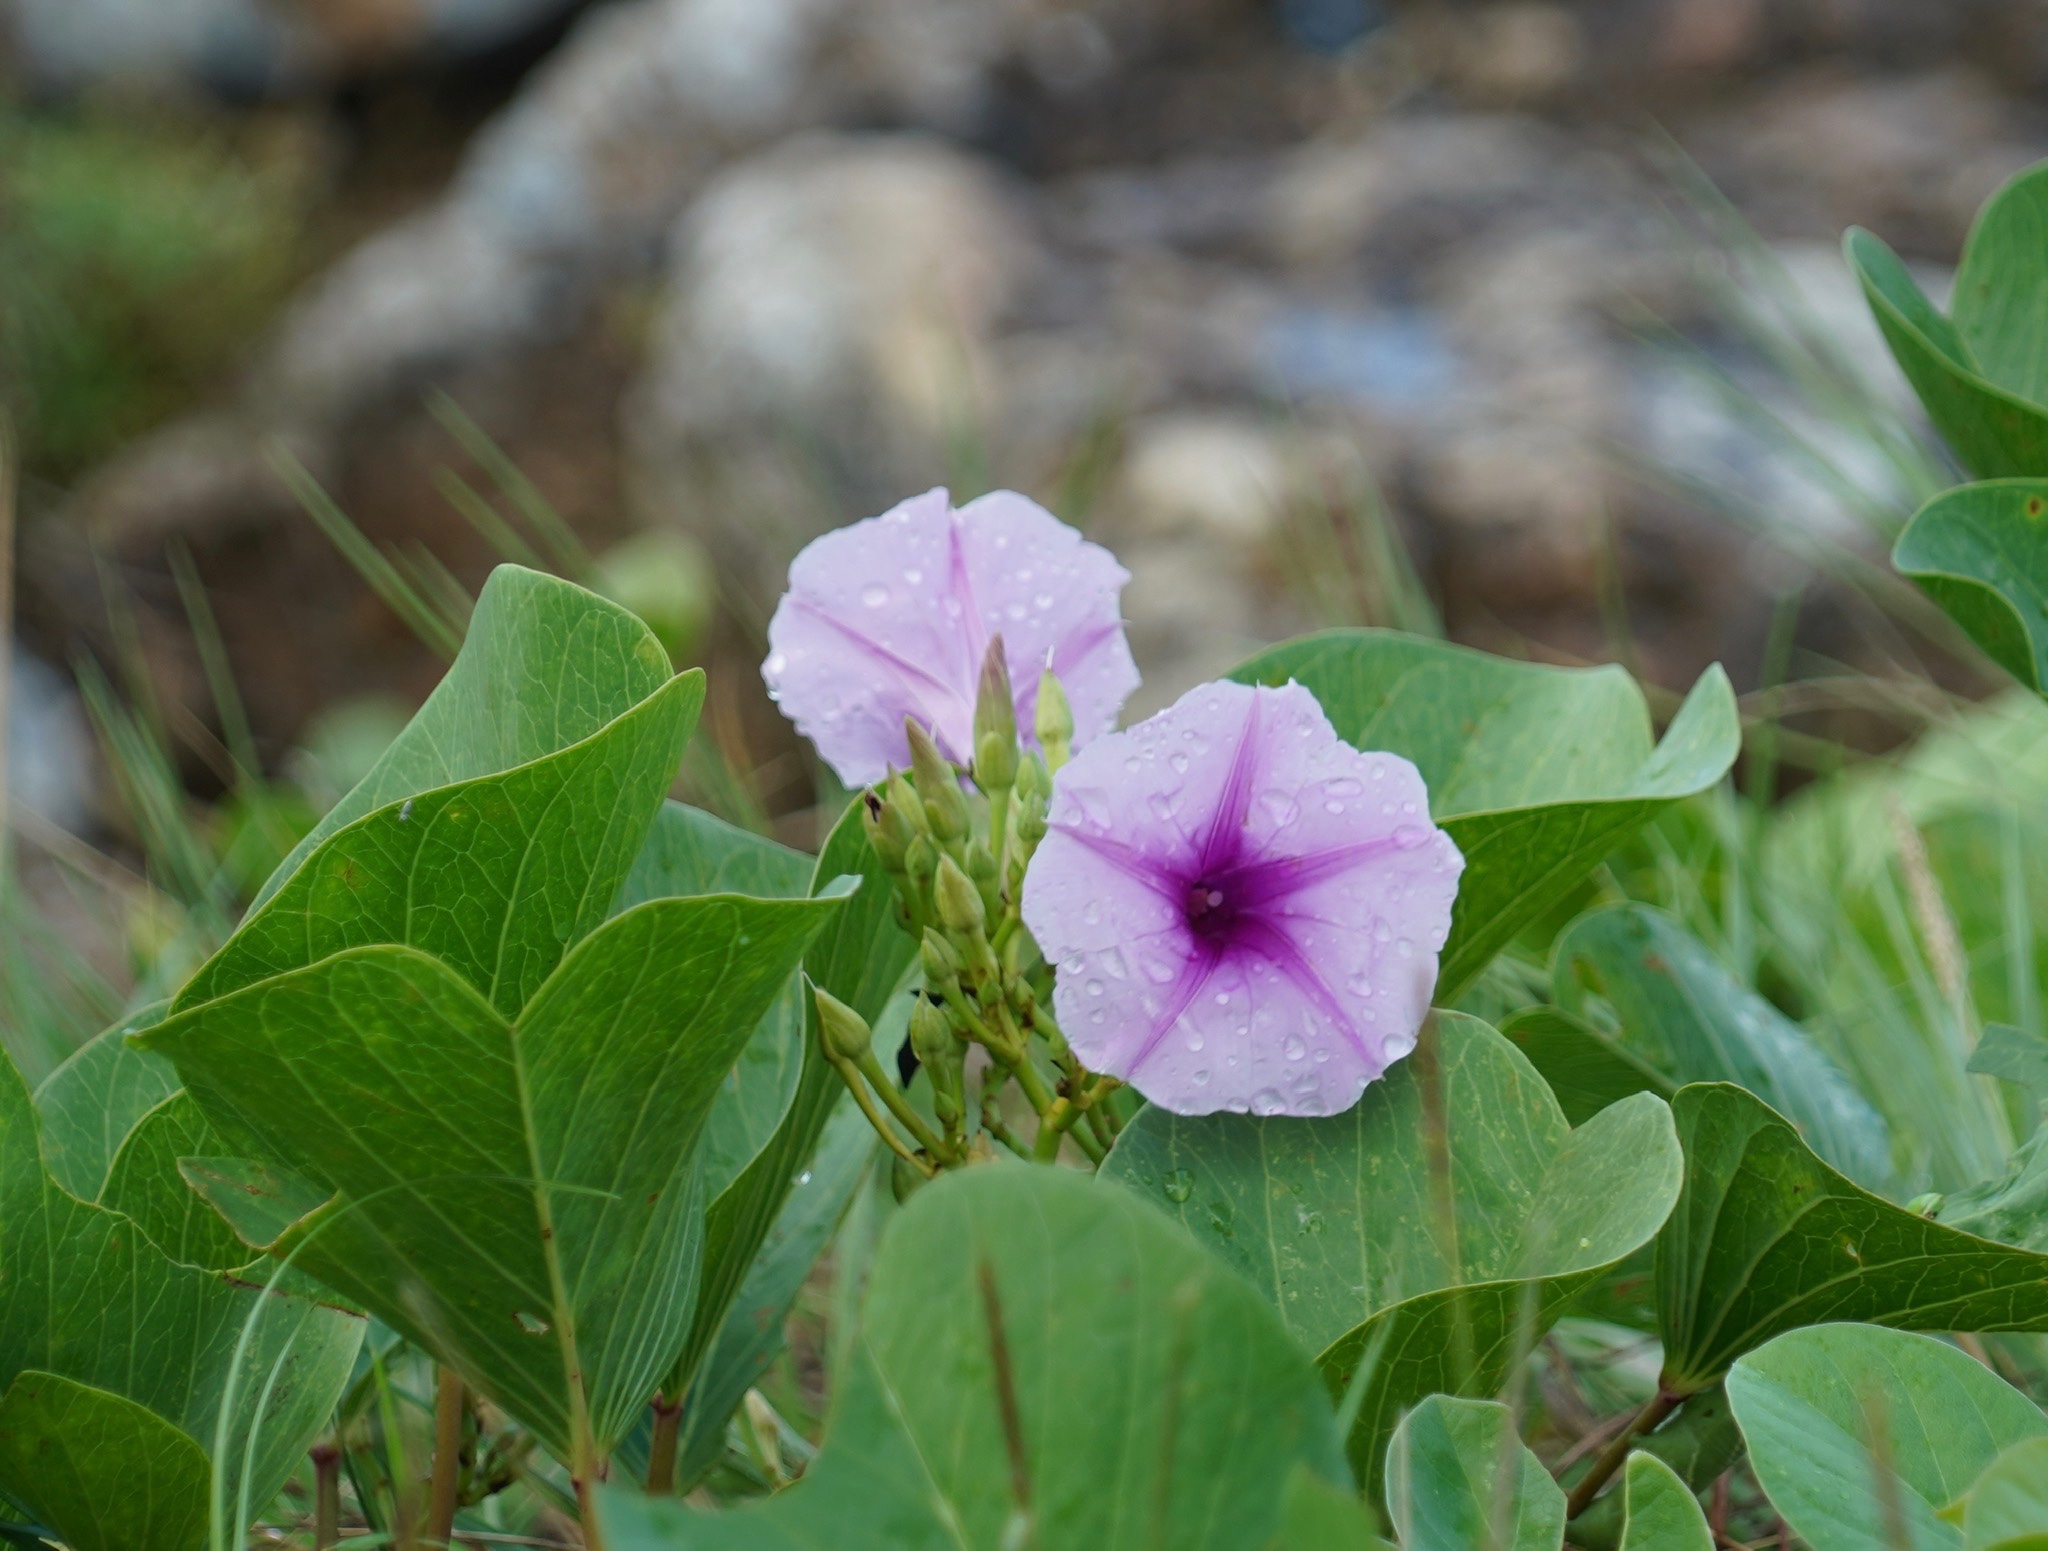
(891, 617)
(1244, 911)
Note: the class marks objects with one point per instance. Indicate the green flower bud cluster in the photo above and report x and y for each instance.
(956, 844)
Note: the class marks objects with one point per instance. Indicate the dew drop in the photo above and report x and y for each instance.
(1091, 913)
(1178, 1185)
(1195, 1041)
(1279, 807)
(1113, 965)
(874, 595)
(1359, 985)
(1267, 1101)
(1095, 988)
(1405, 948)
(778, 662)
(1163, 805)
(1295, 1047)
(1322, 1055)
(1096, 1017)
(1044, 601)
(1333, 806)
(914, 576)
(1311, 1222)
(1411, 836)
(1379, 770)
(1200, 1077)
(1159, 971)
(1222, 998)
(1016, 611)
(1343, 787)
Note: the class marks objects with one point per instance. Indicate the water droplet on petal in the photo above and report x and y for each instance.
(1200, 1078)
(1016, 611)
(874, 595)
(1113, 965)
(1411, 836)
(1044, 601)
(1195, 1040)
(1343, 787)
(1359, 985)
(1095, 988)
(1333, 806)
(1163, 805)
(1159, 971)
(778, 662)
(1281, 808)
(1267, 1101)
(1295, 1047)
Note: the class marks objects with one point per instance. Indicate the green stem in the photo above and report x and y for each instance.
(661, 1450)
(900, 1107)
(852, 1078)
(1647, 1420)
(998, 826)
(450, 1408)
(326, 1494)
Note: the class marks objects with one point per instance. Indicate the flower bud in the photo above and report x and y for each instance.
(941, 964)
(843, 1032)
(1054, 722)
(920, 867)
(987, 879)
(1031, 820)
(939, 1052)
(959, 901)
(889, 832)
(945, 805)
(995, 723)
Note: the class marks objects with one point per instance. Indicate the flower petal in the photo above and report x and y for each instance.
(1049, 592)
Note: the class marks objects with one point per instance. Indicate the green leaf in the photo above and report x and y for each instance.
(1981, 552)
(102, 1471)
(1686, 1016)
(1698, 1444)
(497, 877)
(88, 1299)
(751, 1336)
(1996, 432)
(1861, 1435)
(145, 1184)
(1661, 1512)
(1151, 1398)
(2001, 297)
(517, 1199)
(1536, 772)
(1433, 1232)
(1766, 1237)
(2012, 1208)
(1459, 1479)
(689, 852)
(861, 957)
(2020, 1056)
(1586, 1068)
(2006, 1508)
(1318, 1515)
(90, 1103)
(545, 665)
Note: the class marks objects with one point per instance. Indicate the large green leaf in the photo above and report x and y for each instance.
(1766, 1237)
(690, 852)
(1660, 1512)
(861, 957)
(1042, 1361)
(95, 1322)
(2006, 1508)
(517, 1198)
(497, 877)
(2000, 304)
(1433, 1232)
(1318, 1515)
(1981, 552)
(89, 1104)
(1994, 430)
(1861, 1435)
(145, 1185)
(1683, 1014)
(544, 666)
(104, 1472)
(1586, 1067)
(2012, 1208)
(1536, 772)
(1459, 1479)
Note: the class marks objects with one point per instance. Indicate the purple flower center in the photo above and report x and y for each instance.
(1212, 912)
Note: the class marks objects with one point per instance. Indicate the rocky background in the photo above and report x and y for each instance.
(1262, 292)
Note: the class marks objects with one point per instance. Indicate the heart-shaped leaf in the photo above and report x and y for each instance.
(1861, 1435)
(1432, 1232)
(1981, 552)
(2013, 1208)
(103, 1472)
(518, 1198)
(1042, 1361)
(1986, 405)
(1684, 1015)
(861, 957)
(1536, 772)
(1459, 1479)
(91, 1102)
(1660, 1512)
(97, 1325)
(544, 666)
(1766, 1237)
(2006, 1508)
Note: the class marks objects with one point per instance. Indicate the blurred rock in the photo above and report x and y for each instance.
(255, 47)
(844, 286)
(1223, 477)
(51, 768)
